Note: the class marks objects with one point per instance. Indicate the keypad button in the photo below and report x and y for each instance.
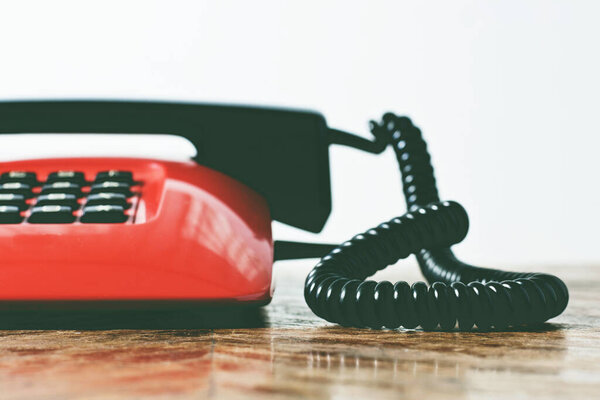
(103, 214)
(67, 176)
(58, 199)
(62, 187)
(16, 188)
(29, 178)
(11, 199)
(10, 215)
(107, 199)
(51, 215)
(111, 187)
(115, 176)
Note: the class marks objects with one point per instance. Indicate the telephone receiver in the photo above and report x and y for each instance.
(281, 156)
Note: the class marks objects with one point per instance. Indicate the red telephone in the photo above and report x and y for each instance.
(146, 232)
(89, 230)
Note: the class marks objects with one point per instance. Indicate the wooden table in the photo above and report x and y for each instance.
(284, 352)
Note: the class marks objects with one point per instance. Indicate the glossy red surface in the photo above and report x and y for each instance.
(196, 235)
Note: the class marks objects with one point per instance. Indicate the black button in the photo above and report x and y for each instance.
(67, 176)
(62, 187)
(103, 214)
(10, 215)
(115, 176)
(51, 215)
(111, 187)
(16, 188)
(107, 199)
(28, 178)
(11, 199)
(58, 199)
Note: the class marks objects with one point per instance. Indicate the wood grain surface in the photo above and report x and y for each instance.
(284, 352)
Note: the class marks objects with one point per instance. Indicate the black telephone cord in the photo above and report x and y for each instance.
(337, 289)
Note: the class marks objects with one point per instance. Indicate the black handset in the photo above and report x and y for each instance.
(282, 154)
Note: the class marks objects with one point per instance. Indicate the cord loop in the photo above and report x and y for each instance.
(337, 290)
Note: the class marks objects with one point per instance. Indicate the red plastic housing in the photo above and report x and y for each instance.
(193, 234)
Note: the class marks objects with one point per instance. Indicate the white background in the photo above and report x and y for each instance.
(506, 92)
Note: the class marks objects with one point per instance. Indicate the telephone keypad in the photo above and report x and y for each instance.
(66, 197)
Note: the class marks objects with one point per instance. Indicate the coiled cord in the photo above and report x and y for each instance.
(337, 291)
